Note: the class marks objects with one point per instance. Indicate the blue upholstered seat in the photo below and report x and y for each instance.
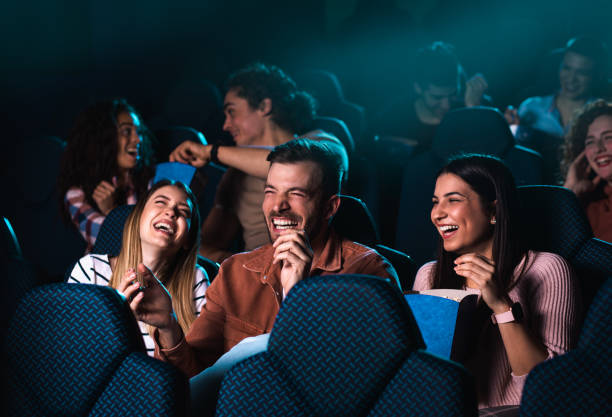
(554, 221)
(76, 350)
(578, 383)
(354, 221)
(48, 242)
(346, 345)
(17, 274)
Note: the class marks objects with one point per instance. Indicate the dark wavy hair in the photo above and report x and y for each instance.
(292, 109)
(91, 153)
(491, 179)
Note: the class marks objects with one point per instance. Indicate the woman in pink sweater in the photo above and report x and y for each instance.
(528, 303)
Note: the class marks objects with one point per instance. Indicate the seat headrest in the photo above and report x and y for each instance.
(553, 220)
(472, 129)
(64, 336)
(354, 221)
(597, 325)
(322, 84)
(343, 328)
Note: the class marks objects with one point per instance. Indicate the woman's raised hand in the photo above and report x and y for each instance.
(577, 178)
(479, 270)
(104, 196)
(148, 298)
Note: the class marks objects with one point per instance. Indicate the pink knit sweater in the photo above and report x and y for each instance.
(548, 294)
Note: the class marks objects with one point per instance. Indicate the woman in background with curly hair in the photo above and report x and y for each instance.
(587, 163)
(107, 162)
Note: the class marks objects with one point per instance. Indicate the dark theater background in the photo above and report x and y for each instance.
(57, 56)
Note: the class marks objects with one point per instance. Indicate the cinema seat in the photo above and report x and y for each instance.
(578, 383)
(346, 345)
(76, 350)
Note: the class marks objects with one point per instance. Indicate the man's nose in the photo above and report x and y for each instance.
(226, 124)
(281, 203)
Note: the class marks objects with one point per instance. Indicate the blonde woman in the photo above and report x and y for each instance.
(162, 233)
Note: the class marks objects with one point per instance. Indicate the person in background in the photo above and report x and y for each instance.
(439, 85)
(587, 164)
(107, 162)
(162, 232)
(543, 121)
(528, 301)
(263, 108)
(301, 198)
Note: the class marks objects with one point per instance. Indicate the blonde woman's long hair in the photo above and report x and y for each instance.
(177, 274)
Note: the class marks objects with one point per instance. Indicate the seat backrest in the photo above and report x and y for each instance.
(47, 241)
(354, 221)
(76, 349)
(168, 138)
(326, 89)
(337, 343)
(197, 103)
(17, 274)
(472, 129)
(580, 381)
(337, 128)
(553, 220)
(111, 232)
(485, 130)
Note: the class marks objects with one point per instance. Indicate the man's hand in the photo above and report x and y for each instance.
(191, 153)
(104, 196)
(474, 90)
(293, 250)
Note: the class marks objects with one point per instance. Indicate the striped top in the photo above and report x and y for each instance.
(85, 217)
(96, 269)
(550, 300)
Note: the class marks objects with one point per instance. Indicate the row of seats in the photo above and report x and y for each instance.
(329, 354)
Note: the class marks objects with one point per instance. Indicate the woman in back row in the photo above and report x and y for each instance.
(587, 163)
(528, 301)
(107, 162)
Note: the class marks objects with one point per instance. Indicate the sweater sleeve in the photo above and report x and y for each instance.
(87, 219)
(554, 303)
(423, 280)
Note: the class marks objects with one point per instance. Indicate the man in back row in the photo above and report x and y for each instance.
(301, 197)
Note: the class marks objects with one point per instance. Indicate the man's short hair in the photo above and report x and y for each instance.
(322, 154)
(437, 64)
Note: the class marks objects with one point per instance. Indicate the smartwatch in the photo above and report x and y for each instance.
(515, 314)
